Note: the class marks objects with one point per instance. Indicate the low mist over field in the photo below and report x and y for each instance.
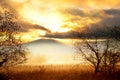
(51, 51)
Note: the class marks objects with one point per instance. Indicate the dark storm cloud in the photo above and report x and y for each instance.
(112, 11)
(106, 15)
(25, 27)
(41, 27)
(109, 18)
(82, 12)
(112, 21)
(70, 34)
(75, 12)
(107, 23)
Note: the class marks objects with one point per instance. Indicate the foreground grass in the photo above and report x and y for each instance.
(54, 72)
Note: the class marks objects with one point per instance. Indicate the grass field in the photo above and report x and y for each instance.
(53, 72)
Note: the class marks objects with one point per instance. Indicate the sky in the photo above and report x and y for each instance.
(63, 18)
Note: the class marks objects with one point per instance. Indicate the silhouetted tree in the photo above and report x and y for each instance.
(103, 54)
(11, 50)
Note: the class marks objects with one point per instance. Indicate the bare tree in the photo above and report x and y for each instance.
(90, 52)
(11, 50)
(103, 54)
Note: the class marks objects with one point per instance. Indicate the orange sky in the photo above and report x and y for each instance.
(69, 3)
(63, 15)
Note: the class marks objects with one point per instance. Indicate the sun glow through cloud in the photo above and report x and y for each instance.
(48, 13)
(52, 21)
(36, 13)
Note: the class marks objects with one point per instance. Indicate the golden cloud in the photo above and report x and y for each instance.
(65, 15)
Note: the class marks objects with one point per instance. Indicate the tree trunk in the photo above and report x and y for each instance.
(97, 68)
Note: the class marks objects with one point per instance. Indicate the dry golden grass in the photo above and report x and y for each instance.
(52, 72)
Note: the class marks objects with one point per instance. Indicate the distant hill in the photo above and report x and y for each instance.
(44, 41)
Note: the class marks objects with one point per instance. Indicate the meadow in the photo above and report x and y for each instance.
(53, 72)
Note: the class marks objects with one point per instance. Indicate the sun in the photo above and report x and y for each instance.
(36, 13)
(52, 21)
